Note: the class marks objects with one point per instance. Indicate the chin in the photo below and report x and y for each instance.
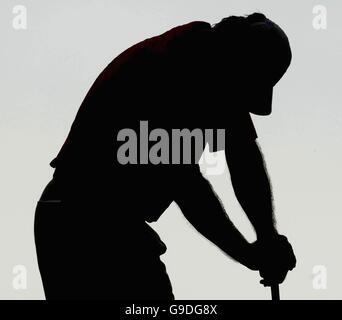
(261, 112)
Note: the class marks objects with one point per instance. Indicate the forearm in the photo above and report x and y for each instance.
(208, 217)
(252, 188)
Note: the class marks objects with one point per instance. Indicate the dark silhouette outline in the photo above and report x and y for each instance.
(91, 234)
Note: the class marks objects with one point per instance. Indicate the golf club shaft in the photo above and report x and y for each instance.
(275, 292)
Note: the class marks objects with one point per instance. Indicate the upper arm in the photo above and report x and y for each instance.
(244, 158)
(239, 128)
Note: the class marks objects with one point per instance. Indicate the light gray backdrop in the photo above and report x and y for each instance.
(46, 70)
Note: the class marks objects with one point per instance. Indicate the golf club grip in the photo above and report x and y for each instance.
(275, 292)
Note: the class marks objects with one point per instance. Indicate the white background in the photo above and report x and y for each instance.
(46, 71)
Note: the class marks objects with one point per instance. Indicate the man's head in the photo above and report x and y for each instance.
(265, 53)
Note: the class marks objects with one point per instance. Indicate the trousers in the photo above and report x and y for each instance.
(84, 255)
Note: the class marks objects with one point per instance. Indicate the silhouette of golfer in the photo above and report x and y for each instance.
(91, 230)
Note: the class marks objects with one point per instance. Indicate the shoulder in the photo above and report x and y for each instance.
(189, 27)
(166, 41)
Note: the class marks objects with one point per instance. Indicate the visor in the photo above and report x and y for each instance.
(273, 57)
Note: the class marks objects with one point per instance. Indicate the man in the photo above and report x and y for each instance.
(91, 233)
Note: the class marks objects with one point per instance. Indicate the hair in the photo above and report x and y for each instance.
(239, 21)
(255, 17)
(235, 40)
(238, 29)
